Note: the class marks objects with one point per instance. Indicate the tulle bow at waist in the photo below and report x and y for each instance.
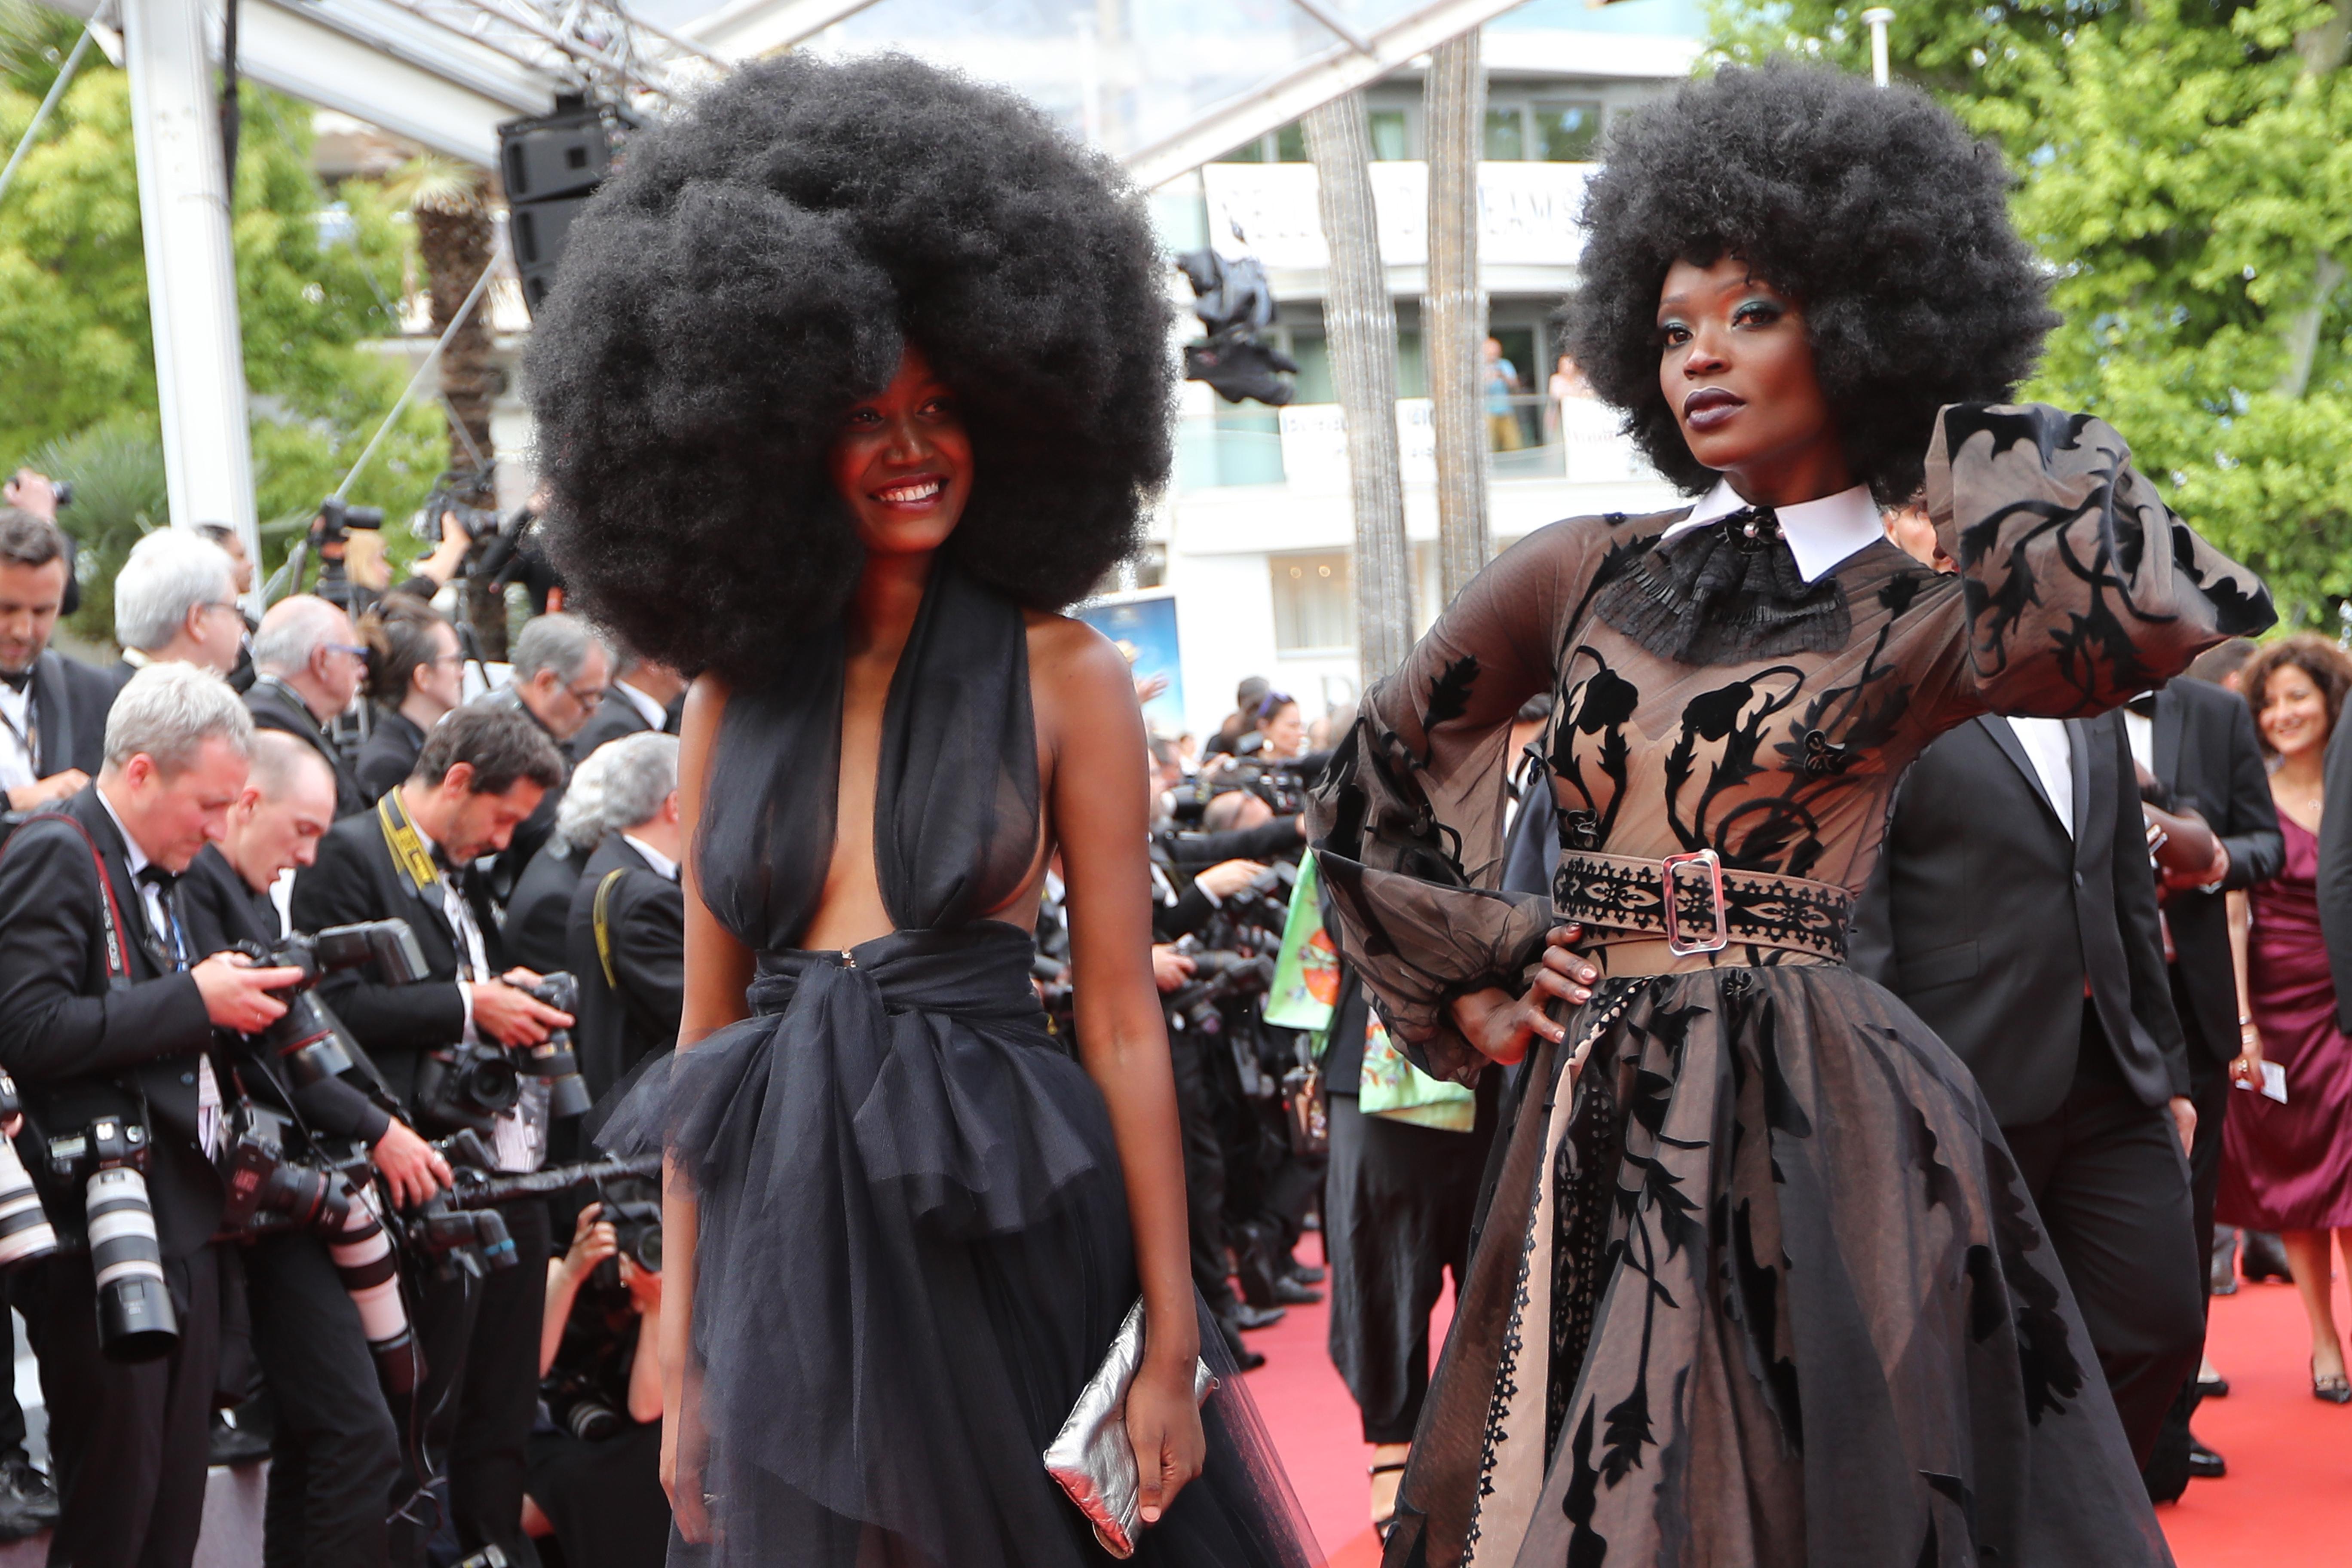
(917, 1068)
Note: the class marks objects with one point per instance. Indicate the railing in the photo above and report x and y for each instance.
(1535, 437)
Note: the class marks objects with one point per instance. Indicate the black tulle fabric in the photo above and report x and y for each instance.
(914, 1244)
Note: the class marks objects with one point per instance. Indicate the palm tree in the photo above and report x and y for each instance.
(450, 203)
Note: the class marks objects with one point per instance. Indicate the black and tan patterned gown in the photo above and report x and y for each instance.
(1759, 1284)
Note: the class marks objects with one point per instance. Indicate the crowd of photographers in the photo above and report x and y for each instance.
(316, 976)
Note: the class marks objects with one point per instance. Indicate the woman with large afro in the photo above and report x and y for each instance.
(852, 378)
(1758, 1283)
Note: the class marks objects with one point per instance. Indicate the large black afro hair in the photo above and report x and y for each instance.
(757, 267)
(1872, 206)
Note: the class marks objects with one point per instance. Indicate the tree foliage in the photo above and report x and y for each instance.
(2186, 168)
(316, 279)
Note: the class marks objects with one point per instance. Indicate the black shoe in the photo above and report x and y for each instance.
(2264, 1259)
(1291, 1293)
(227, 1445)
(2204, 1464)
(1245, 1316)
(1305, 1273)
(1246, 1359)
(2212, 1388)
(28, 1504)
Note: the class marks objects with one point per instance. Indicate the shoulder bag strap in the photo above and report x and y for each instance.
(603, 930)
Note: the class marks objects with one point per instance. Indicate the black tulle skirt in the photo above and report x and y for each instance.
(914, 1250)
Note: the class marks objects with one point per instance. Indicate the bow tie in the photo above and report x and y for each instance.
(1727, 593)
(1753, 528)
(17, 679)
(2144, 704)
(157, 877)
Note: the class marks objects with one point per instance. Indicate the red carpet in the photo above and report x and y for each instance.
(2286, 1503)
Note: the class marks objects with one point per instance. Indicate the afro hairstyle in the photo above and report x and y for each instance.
(758, 266)
(1871, 207)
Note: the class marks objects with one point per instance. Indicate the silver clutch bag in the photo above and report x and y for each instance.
(1092, 1458)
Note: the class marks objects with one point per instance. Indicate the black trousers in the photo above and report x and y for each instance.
(1197, 1090)
(480, 1394)
(336, 1451)
(2209, 1090)
(1397, 1204)
(127, 1441)
(2112, 1184)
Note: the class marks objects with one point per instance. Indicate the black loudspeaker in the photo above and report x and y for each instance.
(551, 166)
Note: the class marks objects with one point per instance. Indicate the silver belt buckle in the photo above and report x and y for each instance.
(1677, 943)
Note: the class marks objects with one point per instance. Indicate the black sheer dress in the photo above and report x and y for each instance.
(915, 1245)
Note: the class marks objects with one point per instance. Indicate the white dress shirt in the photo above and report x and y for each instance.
(660, 862)
(17, 767)
(2052, 750)
(1821, 533)
(654, 715)
(159, 920)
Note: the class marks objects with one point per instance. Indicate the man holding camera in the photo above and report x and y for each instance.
(336, 1452)
(308, 665)
(106, 1021)
(482, 772)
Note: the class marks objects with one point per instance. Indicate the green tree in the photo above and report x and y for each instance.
(2186, 167)
(314, 282)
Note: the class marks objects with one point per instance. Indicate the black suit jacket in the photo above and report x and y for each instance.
(71, 701)
(221, 912)
(2335, 870)
(79, 1041)
(276, 706)
(644, 919)
(540, 908)
(616, 717)
(1987, 917)
(354, 880)
(2202, 748)
(390, 754)
(531, 834)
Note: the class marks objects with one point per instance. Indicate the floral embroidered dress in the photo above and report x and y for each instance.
(1758, 1284)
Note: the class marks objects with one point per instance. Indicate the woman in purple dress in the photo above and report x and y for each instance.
(2288, 1167)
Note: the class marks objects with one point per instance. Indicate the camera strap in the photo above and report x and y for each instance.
(109, 911)
(605, 929)
(411, 855)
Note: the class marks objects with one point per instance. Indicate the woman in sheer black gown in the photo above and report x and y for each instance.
(852, 376)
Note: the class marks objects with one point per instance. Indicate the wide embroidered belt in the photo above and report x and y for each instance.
(1697, 904)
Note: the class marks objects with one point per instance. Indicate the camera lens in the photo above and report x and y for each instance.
(314, 1200)
(24, 1229)
(591, 1420)
(648, 1252)
(135, 1320)
(363, 1259)
(490, 1083)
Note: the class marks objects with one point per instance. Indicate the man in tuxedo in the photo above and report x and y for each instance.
(481, 773)
(105, 1008)
(241, 674)
(560, 676)
(626, 936)
(644, 697)
(2198, 741)
(175, 603)
(2014, 910)
(52, 708)
(335, 1452)
(308, 665)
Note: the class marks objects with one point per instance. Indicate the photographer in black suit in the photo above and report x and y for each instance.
(626, 940)
(539, 911)
(483, 771)
(2197, 741)
(335, 1453)
(308, 666)
(643, 699)
(107, 1013)
(561, 675)
(52, 708)
(2014, 908)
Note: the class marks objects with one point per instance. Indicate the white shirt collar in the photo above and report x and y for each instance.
(654, 715)
(1821, 533)
(134, 857)
(654, 857)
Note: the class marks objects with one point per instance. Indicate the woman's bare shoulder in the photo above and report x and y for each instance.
(1071, 660)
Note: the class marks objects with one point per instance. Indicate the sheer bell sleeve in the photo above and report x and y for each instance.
(2080, 587)
(1408, 818)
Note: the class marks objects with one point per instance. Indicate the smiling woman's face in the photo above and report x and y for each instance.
(1736, 367)
(902, 462)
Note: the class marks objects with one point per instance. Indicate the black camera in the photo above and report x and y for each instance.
(24, 1229)
(552, 1059)
(578, 1408)
(450, 497)
(467, 1087)
(1218, 976)
(307, 1039)
(262, 1179)
(63, 490)
(337, 519)
(135, 1320)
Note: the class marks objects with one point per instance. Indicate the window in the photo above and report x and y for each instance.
(1567, 133)
(1507, 139)
(1250, 151)
(1290, 144)
(1314, 603)
(1389, 143)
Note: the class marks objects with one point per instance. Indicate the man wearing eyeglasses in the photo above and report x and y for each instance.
(561, 675)
(308, 665)
(175, 603)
